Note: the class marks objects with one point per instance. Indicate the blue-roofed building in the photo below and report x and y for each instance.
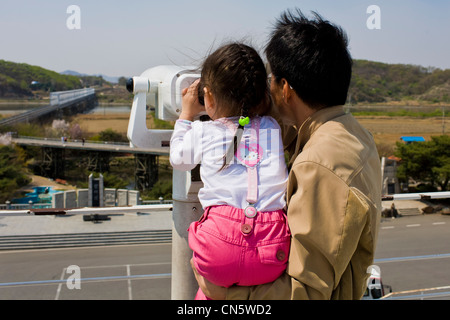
(409, 139)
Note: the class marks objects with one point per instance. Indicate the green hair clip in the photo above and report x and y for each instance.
(244, 121)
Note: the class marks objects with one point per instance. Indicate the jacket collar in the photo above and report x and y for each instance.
(313, 123)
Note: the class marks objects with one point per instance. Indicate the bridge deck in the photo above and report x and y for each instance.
(88, 145)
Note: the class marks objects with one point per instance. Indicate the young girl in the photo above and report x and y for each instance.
(242, 238)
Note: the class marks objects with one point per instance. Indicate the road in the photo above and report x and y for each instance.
(107, 273)
(413, 254)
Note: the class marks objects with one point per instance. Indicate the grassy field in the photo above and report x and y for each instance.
(385, 129)
(388, 130)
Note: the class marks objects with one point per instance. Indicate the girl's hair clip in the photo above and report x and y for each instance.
(243, 121)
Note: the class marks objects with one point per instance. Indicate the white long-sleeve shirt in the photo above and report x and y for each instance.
(206, 143)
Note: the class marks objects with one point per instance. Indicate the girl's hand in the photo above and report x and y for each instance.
(190, 104)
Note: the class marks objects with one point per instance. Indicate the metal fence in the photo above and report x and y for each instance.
(60, 97)
(24, 206)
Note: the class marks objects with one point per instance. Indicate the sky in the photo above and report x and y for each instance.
(124, 38)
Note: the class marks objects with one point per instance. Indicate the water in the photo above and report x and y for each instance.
(39, 195)
(12, 109)
(8, 110)
(111, 109)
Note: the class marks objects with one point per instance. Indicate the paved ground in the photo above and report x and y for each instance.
(11, 224)
(413, 253)
(107, 273)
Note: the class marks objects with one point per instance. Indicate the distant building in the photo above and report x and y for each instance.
(390, 184)
(409, 139)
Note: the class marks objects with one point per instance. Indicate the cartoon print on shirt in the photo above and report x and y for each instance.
(249, 155)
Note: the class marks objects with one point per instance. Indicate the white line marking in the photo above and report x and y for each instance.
(413, 225)
(412, 258)
(97, 279)
(130, 296)
(59, 286)
(390, 227)
(416, 291)
(437, 223)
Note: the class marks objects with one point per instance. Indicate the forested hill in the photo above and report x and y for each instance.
(18, 80)
(371, 82)
(381, 82)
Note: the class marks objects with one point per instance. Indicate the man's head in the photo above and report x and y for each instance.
(311, 55)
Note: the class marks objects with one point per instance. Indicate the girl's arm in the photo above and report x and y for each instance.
(185, 145)
(186, 141)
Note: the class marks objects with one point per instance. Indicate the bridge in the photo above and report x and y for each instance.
(102, 146)
(99, 154)
(67, 102)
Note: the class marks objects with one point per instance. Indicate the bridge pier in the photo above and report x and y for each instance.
(95, 157)
(99, 161)
(52, 165)
(146, 171)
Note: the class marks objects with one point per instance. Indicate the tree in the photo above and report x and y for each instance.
(110, 135)
(12, 174)
(428, 161)
(442, 154)
(75, 131)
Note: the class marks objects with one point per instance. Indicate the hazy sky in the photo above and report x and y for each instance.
(123, 38)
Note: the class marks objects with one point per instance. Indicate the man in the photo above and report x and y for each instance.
(334, 187)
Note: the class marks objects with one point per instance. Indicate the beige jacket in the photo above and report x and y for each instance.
(334, 209)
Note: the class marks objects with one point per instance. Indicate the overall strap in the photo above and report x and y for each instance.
(252, 171)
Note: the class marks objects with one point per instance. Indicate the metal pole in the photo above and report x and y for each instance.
(186, 208)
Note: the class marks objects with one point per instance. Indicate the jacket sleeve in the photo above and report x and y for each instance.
(326, 220)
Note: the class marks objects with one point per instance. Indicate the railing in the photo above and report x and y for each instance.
(31, 138)
(60, 97)
(24, 206)
(86, 145)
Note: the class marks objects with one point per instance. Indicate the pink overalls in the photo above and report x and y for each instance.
(242, 247)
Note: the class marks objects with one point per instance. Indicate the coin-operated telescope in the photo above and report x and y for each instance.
(159, 87)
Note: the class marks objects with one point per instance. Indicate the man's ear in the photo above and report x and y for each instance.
(287, 90)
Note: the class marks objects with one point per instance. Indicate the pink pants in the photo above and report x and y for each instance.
(232, 249)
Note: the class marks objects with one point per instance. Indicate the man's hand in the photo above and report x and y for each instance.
(210, 290)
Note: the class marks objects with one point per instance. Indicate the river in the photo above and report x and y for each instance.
(7, 110)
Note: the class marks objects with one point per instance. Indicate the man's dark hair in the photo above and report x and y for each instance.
(312, 55)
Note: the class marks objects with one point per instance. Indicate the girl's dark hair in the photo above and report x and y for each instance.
(237, 77)
(312, 55)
